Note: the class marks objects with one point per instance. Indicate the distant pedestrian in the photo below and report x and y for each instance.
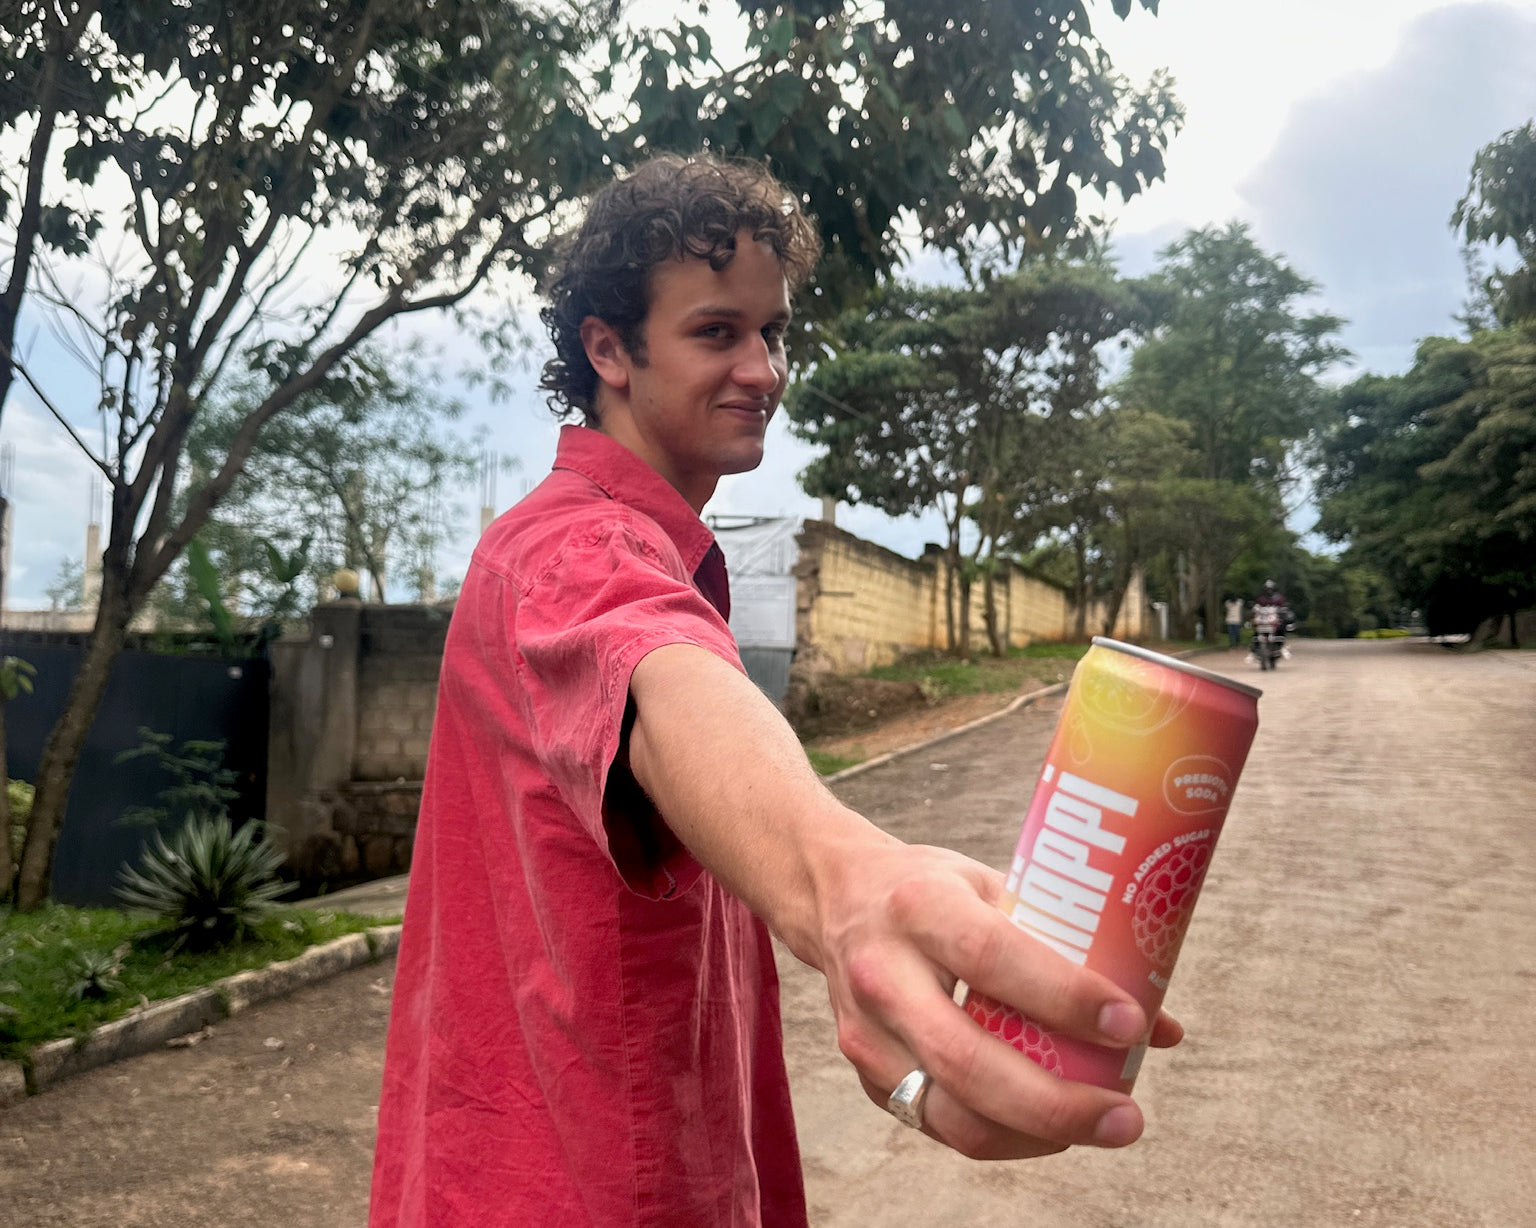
(1234, 621)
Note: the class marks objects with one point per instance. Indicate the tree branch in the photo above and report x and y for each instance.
(21, 369)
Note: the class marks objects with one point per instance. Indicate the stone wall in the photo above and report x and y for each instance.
(352, 709)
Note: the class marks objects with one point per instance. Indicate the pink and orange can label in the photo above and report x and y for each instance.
(1119, 835)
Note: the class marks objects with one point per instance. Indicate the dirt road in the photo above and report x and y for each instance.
(1358, 986)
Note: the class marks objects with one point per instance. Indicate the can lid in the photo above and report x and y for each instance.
(1136, 650)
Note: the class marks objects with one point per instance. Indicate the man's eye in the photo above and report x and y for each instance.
(715, 332)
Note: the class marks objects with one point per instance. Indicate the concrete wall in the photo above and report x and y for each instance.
(352, 709)
(859, 605)
(353, 703)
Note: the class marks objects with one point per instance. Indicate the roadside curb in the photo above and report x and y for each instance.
(159, 1023)
(1022, 701)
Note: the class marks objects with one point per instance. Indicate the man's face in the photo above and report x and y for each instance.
(714, 369)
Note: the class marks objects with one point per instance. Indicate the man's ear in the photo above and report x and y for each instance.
(605, 352)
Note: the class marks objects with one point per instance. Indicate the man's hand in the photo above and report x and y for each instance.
(912, 921)
(891, 926)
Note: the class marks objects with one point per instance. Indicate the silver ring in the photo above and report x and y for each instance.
(906, 1102)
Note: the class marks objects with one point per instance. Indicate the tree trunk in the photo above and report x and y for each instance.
(1213, 613)
(963, 649)
(989, 610)
(61, 752)
(7, 853)
(1112, 608)
(1080, 617)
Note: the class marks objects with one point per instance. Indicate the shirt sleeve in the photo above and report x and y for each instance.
(608, 598)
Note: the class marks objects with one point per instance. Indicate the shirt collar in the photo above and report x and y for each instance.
(626, 478)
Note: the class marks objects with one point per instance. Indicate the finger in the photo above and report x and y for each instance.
(1166, 1031)
(979, 944)
(994, 1100)
(948, 1121)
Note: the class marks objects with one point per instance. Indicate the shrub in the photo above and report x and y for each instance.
(98, 975)
(209, 884)
(19, 794)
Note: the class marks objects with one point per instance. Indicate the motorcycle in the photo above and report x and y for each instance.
(1271, 623)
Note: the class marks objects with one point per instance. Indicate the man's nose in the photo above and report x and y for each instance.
(757, 367)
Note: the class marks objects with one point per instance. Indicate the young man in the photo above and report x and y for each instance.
(585, 1026)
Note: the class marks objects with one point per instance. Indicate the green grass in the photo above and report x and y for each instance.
(826, 764)
(39, 952)
(942, 677)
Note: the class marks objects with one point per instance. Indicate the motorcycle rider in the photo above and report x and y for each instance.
(1272, 618)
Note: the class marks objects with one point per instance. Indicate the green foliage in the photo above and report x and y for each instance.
(982, 402)
(98, 974)
(205, 578)
(9, 1012)
(18, 796)
(208, 885)
(40, 964)
(279, 182)
(201, 786)
(1234, 359)
(1431, 477)
(354, 478)
(1500, 207)
(986, 124)
(15, 677)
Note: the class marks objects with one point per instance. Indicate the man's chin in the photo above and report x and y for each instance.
(744, 461)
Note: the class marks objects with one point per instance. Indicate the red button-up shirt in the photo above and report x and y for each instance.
(585, 1028)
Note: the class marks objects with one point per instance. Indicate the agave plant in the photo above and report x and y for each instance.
(98, 974)
(211, 885)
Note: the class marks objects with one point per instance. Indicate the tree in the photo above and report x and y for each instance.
(1140, 458)
(1500, 207)
(950, 398)
(415, 151)
(1431, 477)
(66, 591)
(1236, 359)
(983, 124)
(360, 476)
(432, 145)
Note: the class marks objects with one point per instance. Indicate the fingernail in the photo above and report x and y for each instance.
(1121, 1021)
(1119, 1126)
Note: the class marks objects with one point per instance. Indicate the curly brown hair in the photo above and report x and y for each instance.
(668, 208)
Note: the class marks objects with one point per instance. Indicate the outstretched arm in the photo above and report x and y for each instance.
(890, 925)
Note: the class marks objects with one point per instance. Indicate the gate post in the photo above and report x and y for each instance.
(312, 737)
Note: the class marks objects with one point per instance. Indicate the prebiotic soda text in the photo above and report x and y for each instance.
(1119, 835)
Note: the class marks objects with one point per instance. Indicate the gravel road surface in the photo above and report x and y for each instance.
(1358, 984)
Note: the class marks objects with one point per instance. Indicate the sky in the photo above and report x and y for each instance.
(1341, 131)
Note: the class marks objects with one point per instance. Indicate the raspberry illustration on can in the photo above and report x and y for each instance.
(1119, 836)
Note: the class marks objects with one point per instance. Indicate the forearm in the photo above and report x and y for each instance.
(728, 774)
(890, 925)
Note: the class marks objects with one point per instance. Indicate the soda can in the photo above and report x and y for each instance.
(1119, 836)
